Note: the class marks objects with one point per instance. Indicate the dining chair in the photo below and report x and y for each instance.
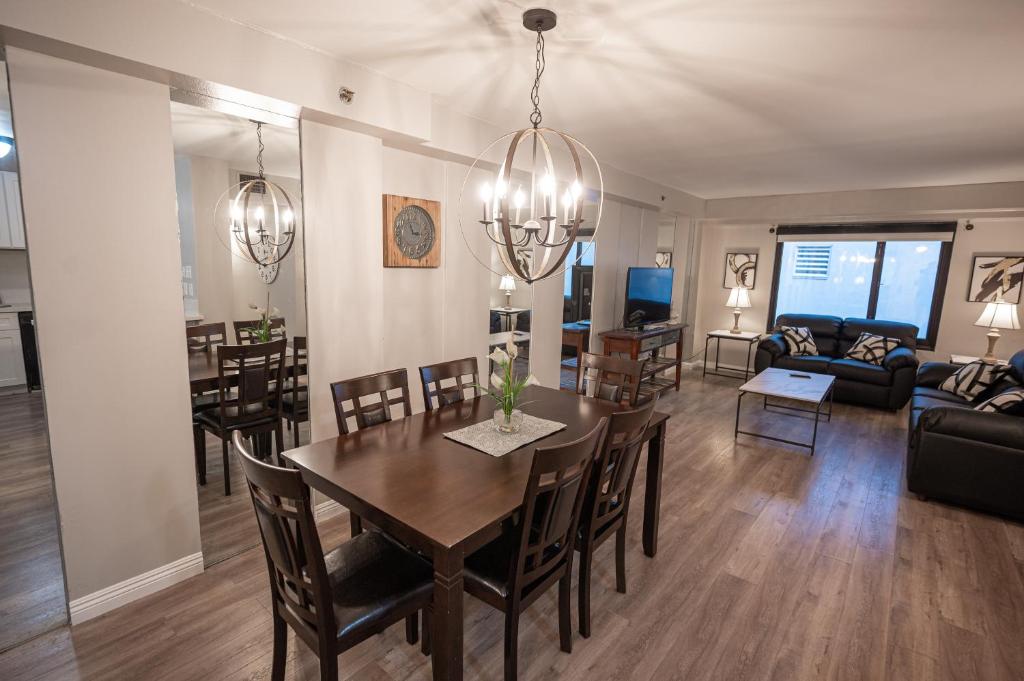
(606, 507)
(459, 370)
(244, 335)
(372, 411)
(615, 379)
(205, 337)
(336, 600)
(249, 381)
(295, 393)
(514, 570)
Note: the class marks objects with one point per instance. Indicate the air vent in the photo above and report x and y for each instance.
(258, 188)
(812, 262)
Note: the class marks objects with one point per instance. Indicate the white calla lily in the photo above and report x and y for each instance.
(497, 382)
(510, 346)
(498, 357)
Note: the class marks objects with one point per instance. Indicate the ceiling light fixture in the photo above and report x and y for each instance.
(261, 218)
(532, 210)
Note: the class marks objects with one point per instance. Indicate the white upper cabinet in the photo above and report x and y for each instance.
(12, 226)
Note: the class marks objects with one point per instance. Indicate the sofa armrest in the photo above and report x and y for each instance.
(931, 374)
(774, 345)
(968, 424)
(900, 358)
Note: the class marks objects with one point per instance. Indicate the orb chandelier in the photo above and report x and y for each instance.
(261, 217)
(532, 214)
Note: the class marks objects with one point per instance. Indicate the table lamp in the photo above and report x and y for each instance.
(738, 299)
(997, 315)
(508, 285)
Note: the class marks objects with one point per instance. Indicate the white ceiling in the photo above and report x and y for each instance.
(202, 132)
(716, 97)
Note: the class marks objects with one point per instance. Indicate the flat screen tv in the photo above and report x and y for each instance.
(648, 295)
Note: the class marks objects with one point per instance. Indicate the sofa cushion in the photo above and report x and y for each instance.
(872, 348)
(972, 379)
(862, 372)
(816, 364)
(853, 327)
(1017, 367)
(942, 395)
(799, 341)
(824, 328)
(1008, 402)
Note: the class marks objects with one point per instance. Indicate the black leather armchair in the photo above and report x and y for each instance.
(887, 386)
(962, 456)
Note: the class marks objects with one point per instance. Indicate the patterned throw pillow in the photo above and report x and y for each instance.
(1009, 402)
(799, 340)
(972, 379)
(872, 348)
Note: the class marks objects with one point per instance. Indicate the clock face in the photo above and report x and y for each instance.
(414, 232)
(268, 273)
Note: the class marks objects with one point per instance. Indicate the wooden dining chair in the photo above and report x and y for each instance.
(514, 570)
(295, 393)
(244, 335)
(616, 379)
(335, 601)
(606, 507)
(249, 381)
(205, 337)
(465, 374)
(370, 405)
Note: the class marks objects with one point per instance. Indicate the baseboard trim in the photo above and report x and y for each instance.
(134, 588)
(327, 509)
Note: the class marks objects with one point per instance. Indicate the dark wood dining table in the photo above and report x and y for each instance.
(446, 499)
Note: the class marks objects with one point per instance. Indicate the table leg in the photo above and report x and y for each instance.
(652, 493)
(707, 343)
(814, 435)
(446, 619)
(718, 353)
(746, 367)
(736, 428)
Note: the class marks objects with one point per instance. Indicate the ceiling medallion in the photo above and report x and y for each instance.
(261, 218)
(532, 213)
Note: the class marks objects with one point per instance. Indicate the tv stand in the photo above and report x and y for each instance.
(636, 342)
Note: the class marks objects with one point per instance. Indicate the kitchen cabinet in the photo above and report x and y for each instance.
(12, 364)
(12, 224)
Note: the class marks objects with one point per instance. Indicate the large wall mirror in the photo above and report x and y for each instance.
(32, 595)
(227, 296)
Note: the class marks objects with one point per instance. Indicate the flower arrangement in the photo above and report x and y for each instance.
(505, 387)
(261, 332)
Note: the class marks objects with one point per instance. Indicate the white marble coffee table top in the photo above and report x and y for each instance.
(790, 384)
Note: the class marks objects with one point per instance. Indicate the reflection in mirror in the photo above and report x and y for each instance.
(577, 300)
(511, 312)
(32, 597)
(229, 300)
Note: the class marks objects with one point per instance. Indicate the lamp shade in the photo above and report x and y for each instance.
(508, 283)
(999, 315)
(738, 297)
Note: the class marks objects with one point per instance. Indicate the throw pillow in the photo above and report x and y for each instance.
(972, 379)
(872, 348)
(1009, 402)
(799, 340)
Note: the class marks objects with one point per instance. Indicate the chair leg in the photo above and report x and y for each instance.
(565, 611)
(355, 523)
(227, 468)
(511, 643)
(279, 442)
(425, 639)
(620, 559)
(199, 445)
(295, 433)
(328, 666)
(412, 634)
(280, 649)
(586, 560)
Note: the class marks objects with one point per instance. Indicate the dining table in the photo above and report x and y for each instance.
(202, 370)
(445, 499)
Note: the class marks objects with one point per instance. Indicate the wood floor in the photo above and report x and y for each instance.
(31, 578)
(771, 565)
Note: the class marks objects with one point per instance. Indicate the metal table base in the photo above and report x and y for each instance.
(816, 411)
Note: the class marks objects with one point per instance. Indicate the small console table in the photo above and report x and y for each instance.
(634, 342)
(748, 337)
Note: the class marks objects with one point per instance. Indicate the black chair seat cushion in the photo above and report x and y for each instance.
(489, 567)
(862, 372)
(372, 576)
(817, 364)
(211, 417)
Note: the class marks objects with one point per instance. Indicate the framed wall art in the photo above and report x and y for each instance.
(740, 269)
(996, 276)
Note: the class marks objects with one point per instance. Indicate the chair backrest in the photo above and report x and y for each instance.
(244, 335)
(551, 507)
(299, 588)
(615, 379)
(256, 371)
(370, 412)
(611, 482)
(458, 370)
(204, 337)
(300, 367)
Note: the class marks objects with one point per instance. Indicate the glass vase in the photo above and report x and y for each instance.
(508, 423)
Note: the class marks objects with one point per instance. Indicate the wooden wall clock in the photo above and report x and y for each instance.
(412, 232)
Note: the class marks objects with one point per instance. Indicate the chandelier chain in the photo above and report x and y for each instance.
(536, 117)
(259, 153)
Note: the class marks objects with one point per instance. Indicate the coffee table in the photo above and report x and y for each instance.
(799, 386)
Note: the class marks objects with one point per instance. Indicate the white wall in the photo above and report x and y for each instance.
(14, 287)
(97, 179)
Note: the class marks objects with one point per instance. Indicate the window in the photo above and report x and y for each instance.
(891, 272)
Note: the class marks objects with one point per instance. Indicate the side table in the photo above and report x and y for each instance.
(748, 337)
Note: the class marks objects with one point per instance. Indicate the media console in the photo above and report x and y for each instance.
(636, 343)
